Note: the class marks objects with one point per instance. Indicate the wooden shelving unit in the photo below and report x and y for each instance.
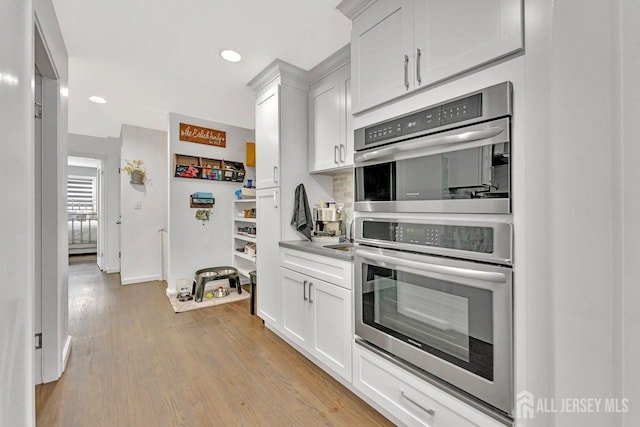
(194, 167)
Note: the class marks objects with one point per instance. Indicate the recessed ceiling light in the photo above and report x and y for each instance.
(230, 55)
(97, 99)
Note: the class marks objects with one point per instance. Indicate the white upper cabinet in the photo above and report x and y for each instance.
(330, 122)
(454, 36)
(381, 53)
(401, 46)
(324, 124)
(268, 138)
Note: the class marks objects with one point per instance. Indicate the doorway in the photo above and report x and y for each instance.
(85, 230)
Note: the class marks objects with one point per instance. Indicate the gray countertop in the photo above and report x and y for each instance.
(317, 247)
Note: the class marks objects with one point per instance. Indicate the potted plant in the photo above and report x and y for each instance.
(135, 169)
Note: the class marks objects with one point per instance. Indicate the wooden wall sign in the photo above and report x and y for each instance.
(200, 135)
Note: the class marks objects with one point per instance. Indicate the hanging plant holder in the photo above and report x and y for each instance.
(135, 169)
(137, 177)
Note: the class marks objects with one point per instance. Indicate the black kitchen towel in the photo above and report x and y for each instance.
(301, 213)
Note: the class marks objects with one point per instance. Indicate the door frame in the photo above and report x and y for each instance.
(56, 344)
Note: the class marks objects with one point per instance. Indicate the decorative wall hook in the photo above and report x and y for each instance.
(203, 215)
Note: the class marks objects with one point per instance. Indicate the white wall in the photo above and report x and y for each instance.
(572, 231)
(630, 214)
(107, 150)
(141, 240)
(192, 245)
(17, 248)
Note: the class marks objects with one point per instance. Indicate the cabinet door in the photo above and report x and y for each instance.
(331, 310)
(346, 125)
(268, 138)
(454, 36)
(268, 289)
(325, 124)
(295, 307)
(381, 37)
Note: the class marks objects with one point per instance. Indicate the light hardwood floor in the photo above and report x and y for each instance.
(134, 362)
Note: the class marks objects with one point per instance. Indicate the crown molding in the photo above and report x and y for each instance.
(294, 75)
(353, 8)
(329, 65)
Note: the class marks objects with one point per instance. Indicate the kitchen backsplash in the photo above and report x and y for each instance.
(343, 194)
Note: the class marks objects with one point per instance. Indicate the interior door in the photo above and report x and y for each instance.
(100, 213)
(37, 324)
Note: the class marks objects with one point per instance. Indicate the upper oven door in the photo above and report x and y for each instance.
(450, 318)
(465, 170)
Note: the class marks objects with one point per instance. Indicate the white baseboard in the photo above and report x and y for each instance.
(140, 279)
(171, 292)
(66, 352)
(113, 270)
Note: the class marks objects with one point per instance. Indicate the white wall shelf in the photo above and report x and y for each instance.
(251, 220)
(245, 256)
(244, 272)
(241, 261)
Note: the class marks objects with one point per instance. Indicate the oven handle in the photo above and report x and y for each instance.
(485, 276)
(468, 136)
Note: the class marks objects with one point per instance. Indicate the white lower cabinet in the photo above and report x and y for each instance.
(410, 400)
(331, 325)
(316, 316)
(296, 315)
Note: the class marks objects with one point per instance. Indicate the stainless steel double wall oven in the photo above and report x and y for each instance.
(433, 262)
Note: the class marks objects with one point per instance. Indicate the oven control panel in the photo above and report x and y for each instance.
(460, 237)
(429, 118)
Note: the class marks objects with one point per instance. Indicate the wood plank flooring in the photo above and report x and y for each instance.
(135, 362)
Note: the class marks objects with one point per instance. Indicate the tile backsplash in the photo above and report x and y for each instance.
(343, 194)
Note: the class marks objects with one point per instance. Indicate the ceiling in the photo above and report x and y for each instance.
(151, 57)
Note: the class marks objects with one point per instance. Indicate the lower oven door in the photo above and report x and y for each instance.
(451, 318)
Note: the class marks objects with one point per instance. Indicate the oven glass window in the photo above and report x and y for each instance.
(474, 173)
(377, 182)
(449, 320)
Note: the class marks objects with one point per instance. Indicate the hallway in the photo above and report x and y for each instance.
(134, 362)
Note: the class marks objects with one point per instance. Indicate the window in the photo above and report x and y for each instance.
(82, 214)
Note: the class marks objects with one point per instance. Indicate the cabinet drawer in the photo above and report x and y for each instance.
(324, 268)
(413, 401)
